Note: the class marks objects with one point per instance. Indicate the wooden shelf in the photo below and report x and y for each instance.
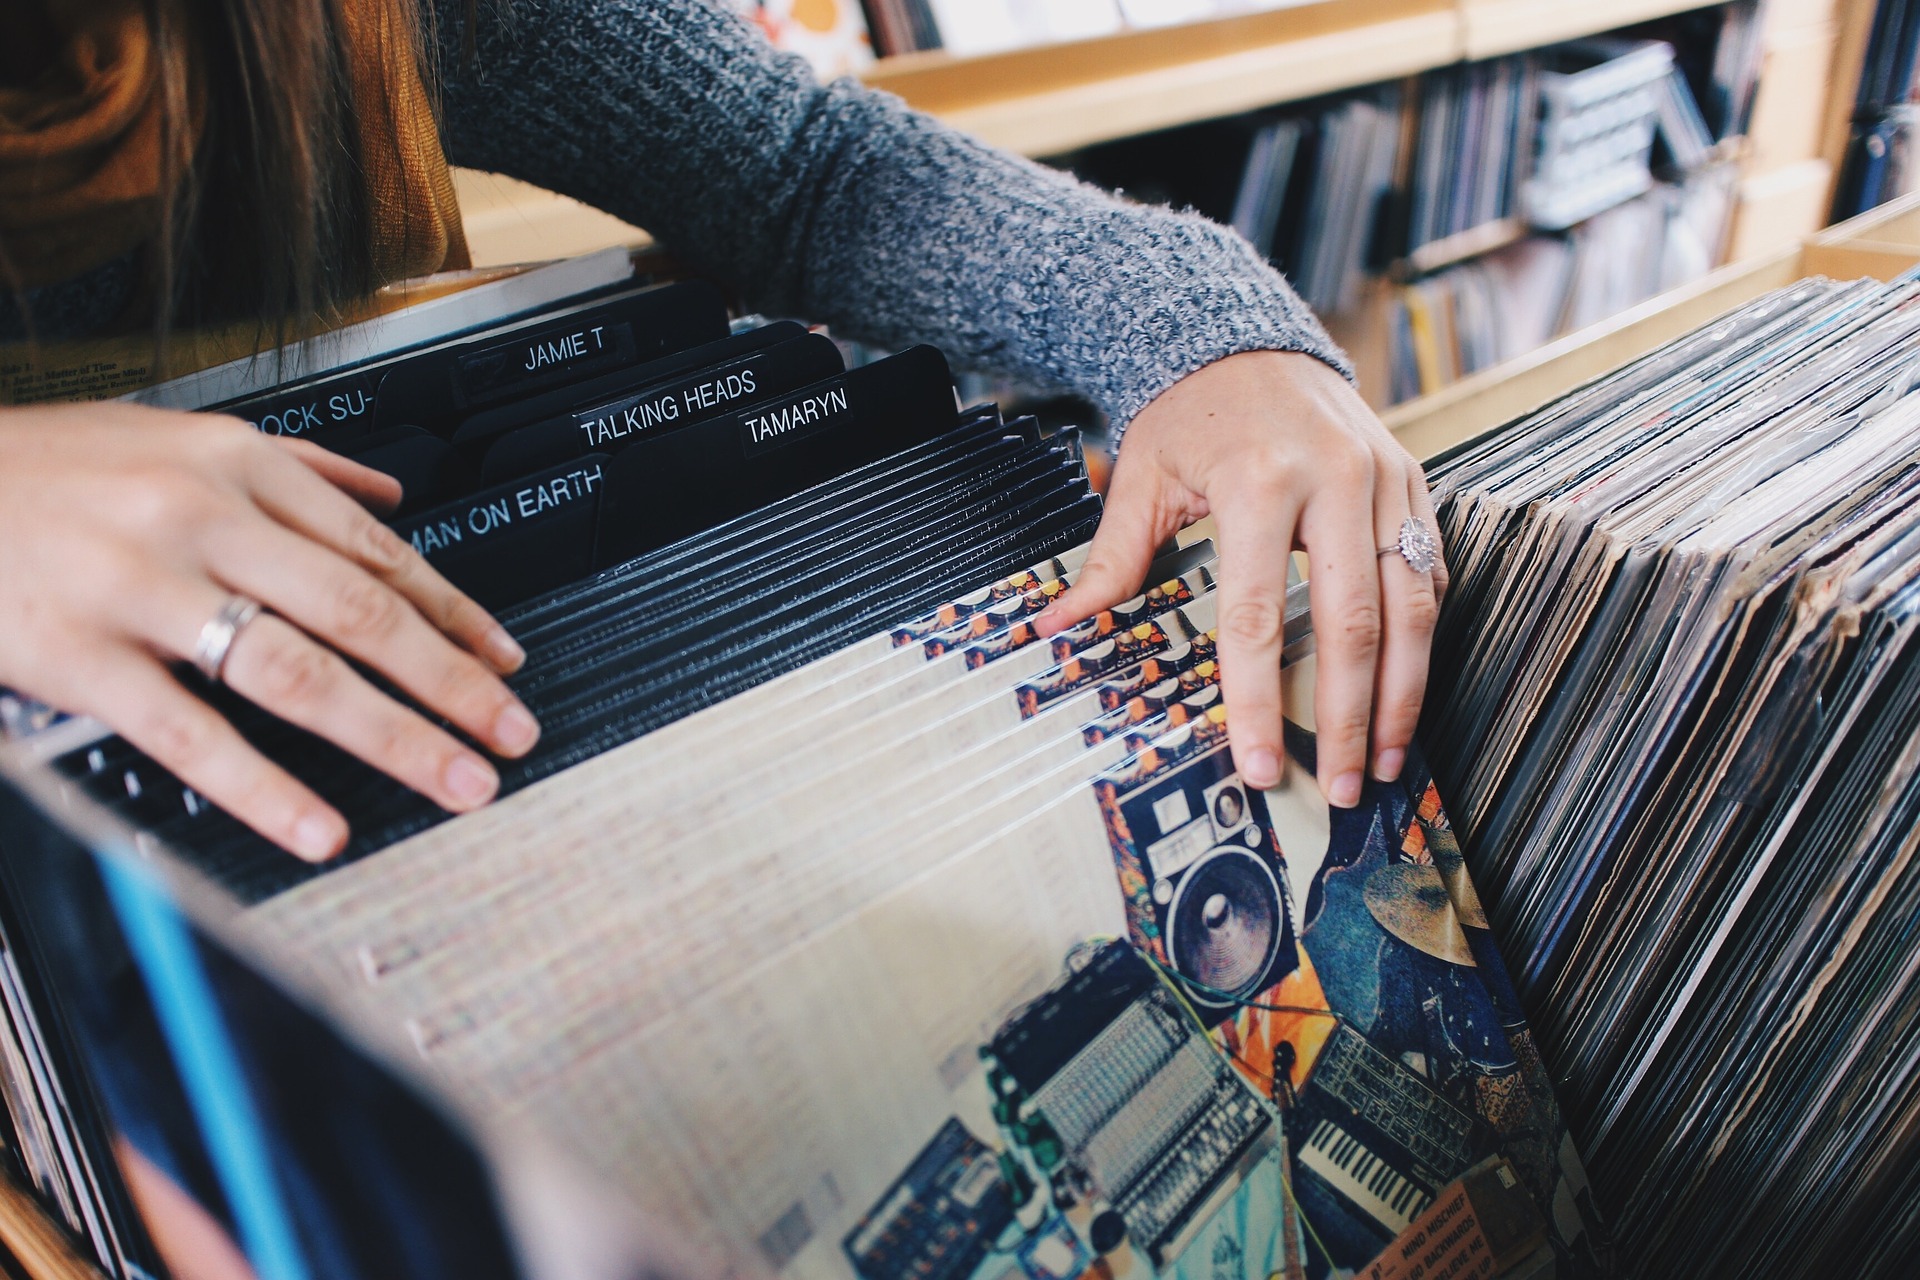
(1051, 99)
(1478, 241)
(38, 1247)
(1490, 28)
(1881, 243)
(1471, 243)
(1054, 98)
(511, 222)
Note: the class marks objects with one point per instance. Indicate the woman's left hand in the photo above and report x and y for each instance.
(1284, 454)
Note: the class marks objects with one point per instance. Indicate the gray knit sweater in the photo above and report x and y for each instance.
(840, 205)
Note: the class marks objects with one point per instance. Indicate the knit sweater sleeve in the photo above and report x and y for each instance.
(839, 204)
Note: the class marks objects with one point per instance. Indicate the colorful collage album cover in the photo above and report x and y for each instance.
(1304, 1059)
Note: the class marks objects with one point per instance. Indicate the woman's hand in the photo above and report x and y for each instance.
(124, 530)
(1282, 452)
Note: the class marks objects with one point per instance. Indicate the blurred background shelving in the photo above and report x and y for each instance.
(1049, 99)
(1201, 81)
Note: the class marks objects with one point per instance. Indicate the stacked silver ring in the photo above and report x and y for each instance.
(1417, 546)
(217, 637)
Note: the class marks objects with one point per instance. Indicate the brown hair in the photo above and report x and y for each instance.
(272, 220)
(270, 160)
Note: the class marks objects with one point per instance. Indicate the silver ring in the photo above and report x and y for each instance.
(217, 637)
(1417, 546)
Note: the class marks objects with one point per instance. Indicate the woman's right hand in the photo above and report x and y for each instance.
(124, 530)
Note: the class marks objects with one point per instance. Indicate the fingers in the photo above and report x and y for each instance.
(1119, 556)
(275, 665)
(278, 667)
(1339, 531)
(377, 491)
(1411, 608)
(299, 499)
(128, 689)
(1256, 535)
(356, 613)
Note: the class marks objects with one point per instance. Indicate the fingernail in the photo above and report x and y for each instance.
(504, 651)
(318, 836)
(1386, 765)
(1345, 791)
(515, 730)
(1261, 768)
(470, 781)
(1047, 620)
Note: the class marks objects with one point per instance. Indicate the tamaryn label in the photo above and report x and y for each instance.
(767, 427)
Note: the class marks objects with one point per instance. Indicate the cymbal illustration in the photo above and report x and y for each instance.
(1411, 903)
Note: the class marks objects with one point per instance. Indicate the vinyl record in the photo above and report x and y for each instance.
(1224, 925)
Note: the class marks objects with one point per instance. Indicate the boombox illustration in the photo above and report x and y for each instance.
(1202, 871)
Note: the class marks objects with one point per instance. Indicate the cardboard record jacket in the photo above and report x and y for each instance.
(1680, 698)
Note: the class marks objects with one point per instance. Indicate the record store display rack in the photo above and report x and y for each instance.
(841, 927)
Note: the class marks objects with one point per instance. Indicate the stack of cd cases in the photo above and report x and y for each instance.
(839, 926)
(1677, 684)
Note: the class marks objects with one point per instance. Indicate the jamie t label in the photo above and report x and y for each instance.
(549, 355)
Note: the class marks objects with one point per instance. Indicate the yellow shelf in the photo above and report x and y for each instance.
(1055, 98)
(1046, 100)
(1490, 28)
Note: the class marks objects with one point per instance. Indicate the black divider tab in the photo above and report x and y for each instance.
(670, 405)
(683, 481)
(437, 391)
(422, 462)
(515, 540)
(336, 408)
(341, 408)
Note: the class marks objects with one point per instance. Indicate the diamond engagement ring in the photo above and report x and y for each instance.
(217, 637)
(1417, 546)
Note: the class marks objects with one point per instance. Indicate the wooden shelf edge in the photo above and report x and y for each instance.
(1471, 243)
(1065, 119)
(1494, 27)
(41, 1249)
(1050, 99)
(1895, 222)
(508, 221)
(1054, 98)
(1850, 261)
